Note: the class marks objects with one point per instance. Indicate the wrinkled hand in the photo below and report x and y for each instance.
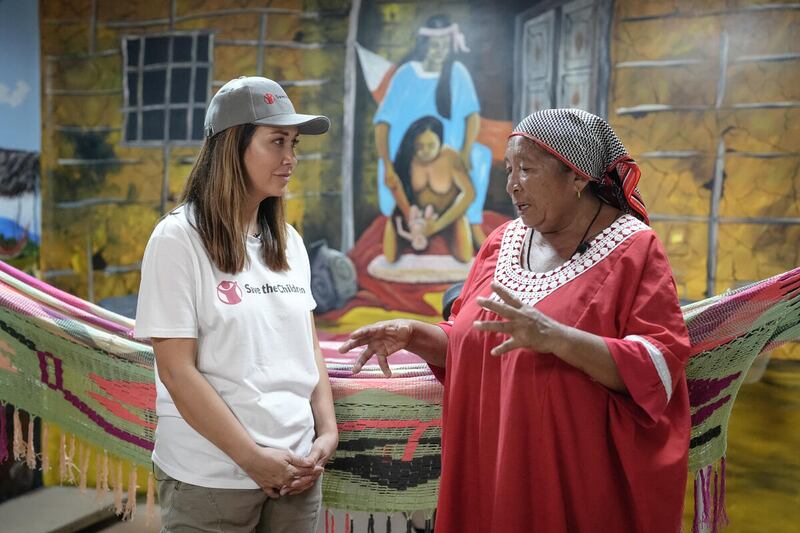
(381, 339)
(525, 326)
(272, 469)
(321, 452)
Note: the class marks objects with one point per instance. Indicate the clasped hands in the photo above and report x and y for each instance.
(280, 472)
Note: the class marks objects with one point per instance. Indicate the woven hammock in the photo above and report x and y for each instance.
(78, 365)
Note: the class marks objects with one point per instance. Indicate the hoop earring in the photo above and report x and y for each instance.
(579, 194)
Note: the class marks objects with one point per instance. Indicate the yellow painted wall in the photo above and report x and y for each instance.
(745, 99)
(83, 89)
(736, 86)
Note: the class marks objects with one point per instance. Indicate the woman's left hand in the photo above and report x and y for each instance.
(321, 451)
(323, 448)
(525, 326)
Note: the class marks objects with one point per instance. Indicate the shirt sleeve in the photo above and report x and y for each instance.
(653, 347)
(167, 293)
(305, 263)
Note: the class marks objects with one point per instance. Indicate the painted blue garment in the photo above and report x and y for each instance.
(412, 95)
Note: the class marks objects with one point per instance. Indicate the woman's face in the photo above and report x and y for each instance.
(539, 186)
(427, 146)
(438, 49)
(269, 161)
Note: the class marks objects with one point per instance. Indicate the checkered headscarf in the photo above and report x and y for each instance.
(588, 145)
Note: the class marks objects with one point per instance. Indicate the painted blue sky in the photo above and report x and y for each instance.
(20, 124)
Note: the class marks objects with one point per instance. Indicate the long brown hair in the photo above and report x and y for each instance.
(217, 191)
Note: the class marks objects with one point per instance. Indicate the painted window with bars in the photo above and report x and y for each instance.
(166, 85)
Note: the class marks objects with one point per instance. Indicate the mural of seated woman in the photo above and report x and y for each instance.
(432, 190)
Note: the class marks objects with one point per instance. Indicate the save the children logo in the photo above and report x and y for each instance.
(271, 98)
(274, 288)
(229, 292)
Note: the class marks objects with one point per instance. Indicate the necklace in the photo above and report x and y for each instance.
(582, 244)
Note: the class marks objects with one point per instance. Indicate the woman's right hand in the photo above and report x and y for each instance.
(381, 339)
(273, 469)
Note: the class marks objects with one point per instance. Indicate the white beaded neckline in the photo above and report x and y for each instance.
(532, 287)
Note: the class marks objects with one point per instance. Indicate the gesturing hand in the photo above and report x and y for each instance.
(381, 339)
(525, 326)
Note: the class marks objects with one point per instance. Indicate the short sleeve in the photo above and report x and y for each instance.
(303, 263)
(310, 301)
(167, 293)
(653, 347)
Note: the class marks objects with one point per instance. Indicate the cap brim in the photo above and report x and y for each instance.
(306, 124)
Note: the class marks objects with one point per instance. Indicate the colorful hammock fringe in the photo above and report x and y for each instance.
(71, 362)
(727, 333)
(74, 463)
(709, 499)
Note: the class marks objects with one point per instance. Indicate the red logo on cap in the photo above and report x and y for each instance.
(269, 98)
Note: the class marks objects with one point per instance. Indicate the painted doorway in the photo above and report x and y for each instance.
(561, 54)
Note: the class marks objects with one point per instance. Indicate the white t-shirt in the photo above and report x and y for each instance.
(254, 346)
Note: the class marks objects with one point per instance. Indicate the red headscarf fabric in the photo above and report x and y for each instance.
(588, 145)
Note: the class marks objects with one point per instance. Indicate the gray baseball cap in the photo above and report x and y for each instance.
(256, 100)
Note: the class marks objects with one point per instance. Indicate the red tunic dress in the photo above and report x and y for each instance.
(531, 443)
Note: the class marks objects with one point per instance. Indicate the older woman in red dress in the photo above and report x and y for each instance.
(566, 407)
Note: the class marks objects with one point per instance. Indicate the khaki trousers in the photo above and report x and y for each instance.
(189, 508)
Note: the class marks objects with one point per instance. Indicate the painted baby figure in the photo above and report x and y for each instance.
(417, 225)
(430, 174)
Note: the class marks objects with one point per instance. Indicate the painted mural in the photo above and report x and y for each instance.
(432, 176)
(704, 94)
(126, 86)
(430, 138)
(20, 135)
(431, 172)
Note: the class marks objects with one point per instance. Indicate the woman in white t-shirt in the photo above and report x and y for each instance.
(245, 411)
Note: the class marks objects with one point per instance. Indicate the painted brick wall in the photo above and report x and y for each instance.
(707, 94)
(101, 195)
